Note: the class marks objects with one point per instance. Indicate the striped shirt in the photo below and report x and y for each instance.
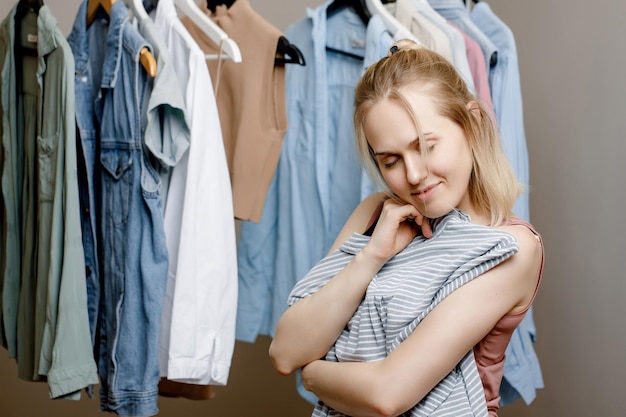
(403, 292)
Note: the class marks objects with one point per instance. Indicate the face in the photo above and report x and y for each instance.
(434, 185)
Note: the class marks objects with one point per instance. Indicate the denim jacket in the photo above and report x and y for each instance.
(124, 239)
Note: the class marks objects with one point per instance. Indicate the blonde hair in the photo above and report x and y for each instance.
(493, 187)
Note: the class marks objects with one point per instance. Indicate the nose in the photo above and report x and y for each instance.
(416, 169)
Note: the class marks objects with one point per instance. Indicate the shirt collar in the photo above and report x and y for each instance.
(79, 40)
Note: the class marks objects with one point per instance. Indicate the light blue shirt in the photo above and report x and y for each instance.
(506, 95)
(319, 180)
(522, 372)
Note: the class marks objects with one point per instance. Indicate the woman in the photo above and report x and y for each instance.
(437, 151)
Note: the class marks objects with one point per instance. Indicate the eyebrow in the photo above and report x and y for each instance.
(413, 143)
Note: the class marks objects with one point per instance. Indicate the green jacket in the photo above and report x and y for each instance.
(43, 303)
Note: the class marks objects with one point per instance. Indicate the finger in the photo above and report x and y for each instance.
(427, 230)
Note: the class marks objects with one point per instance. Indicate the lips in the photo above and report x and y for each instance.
(427, 192)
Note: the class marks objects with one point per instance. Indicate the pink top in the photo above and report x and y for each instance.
(489, 352)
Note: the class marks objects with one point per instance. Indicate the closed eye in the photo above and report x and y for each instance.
(388, 161)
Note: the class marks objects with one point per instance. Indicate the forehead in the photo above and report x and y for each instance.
(401, 117)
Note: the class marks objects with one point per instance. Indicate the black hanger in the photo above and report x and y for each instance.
(23, 6)
(289, 53)
(212, 5)
(361, 10)
(150, 5)
(359, 7)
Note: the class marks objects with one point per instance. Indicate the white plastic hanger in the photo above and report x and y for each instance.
(210, 28)
(398, 31)
(136, 6)
(426, 5)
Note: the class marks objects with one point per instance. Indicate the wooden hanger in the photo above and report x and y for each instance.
(210, 28)
(145, 56)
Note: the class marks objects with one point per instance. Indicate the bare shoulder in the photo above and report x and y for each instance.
(366, 208)
(359, 219)
(529, 242)
(525, 265)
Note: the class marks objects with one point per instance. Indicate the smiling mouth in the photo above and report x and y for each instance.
(425, 193)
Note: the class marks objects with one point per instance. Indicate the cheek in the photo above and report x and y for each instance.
(394, 179)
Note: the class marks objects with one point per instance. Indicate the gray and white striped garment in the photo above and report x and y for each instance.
(403, 292)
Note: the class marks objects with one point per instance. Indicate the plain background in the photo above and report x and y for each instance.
(572, 60)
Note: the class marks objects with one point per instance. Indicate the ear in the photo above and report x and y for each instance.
(474, 109)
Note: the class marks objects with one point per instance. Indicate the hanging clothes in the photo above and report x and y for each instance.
(476, 62)
(319, 180)
(430, 35)
(43, 304)
(504, 82)
(124, 239)
(307, 204)
(251, 103)
(457, 40)
(198, 325)
(522, 373)
(167, 133)
(456, 12)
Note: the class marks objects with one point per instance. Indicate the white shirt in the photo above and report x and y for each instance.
(199, 311)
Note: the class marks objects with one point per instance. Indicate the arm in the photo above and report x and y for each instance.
(358, 220)
(309, 328)
(395, 384)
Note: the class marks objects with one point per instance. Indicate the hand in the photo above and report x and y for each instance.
(397, 225)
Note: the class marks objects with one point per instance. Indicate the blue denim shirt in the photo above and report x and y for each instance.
(123, 236)
(319, 180)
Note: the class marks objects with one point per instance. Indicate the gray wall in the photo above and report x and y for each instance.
(572, 59)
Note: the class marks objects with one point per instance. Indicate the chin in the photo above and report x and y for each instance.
(434, 213)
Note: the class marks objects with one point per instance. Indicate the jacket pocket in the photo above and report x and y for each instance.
(47, 150)
(117, 178)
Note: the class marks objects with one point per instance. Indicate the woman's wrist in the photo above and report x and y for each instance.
(368, 261)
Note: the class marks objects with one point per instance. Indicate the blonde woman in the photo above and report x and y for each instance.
(442, 237)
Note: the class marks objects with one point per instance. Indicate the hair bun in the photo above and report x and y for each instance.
(403, 45)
